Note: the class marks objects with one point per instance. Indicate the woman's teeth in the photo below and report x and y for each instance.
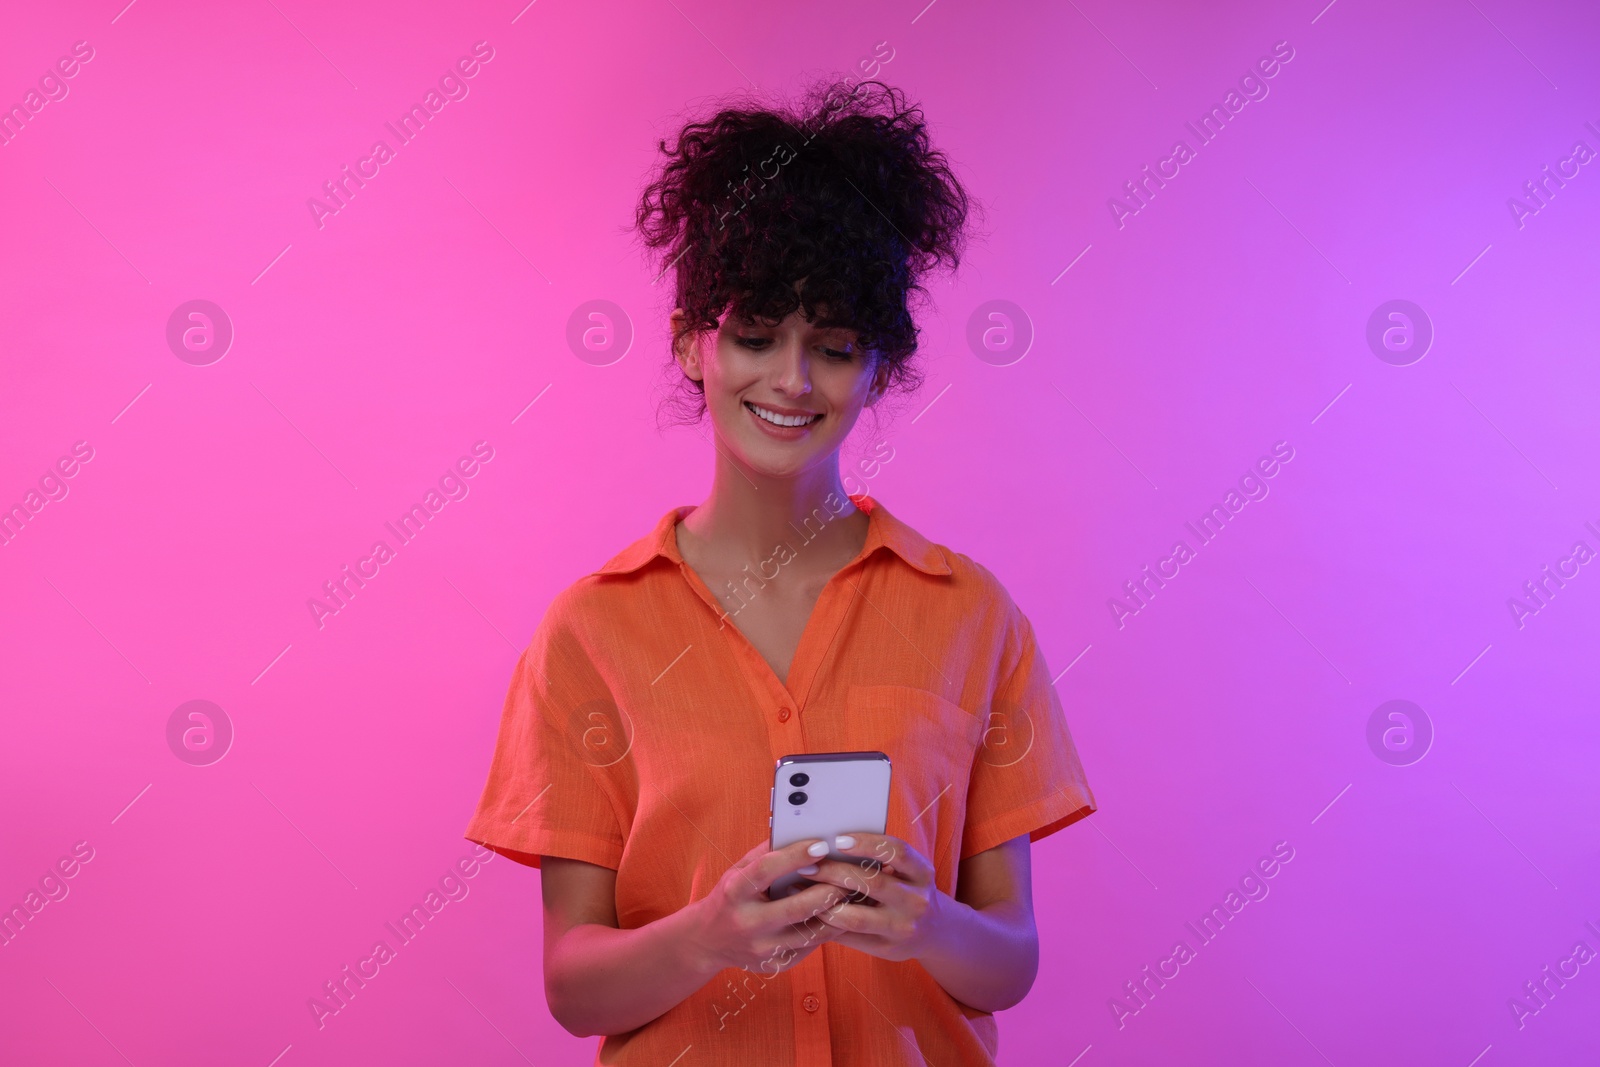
(782, 420)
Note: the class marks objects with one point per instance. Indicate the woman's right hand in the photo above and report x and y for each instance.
(738, 925)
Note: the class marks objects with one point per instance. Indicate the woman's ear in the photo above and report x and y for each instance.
(880, 381)
(686, 346)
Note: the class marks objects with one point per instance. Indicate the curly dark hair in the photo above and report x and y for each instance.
(844, 192)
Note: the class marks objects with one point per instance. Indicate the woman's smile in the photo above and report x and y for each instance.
(788, 424)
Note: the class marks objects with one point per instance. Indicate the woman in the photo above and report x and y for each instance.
(784, 615)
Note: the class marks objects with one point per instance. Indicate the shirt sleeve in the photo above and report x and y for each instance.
(1026, 777)
(543, 796)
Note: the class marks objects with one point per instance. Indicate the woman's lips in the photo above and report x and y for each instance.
(764, 417)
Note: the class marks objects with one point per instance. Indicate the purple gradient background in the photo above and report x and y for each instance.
(426, 315)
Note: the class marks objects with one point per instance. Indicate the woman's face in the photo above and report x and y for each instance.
(782, 398)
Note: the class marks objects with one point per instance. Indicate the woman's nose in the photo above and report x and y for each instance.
(794, 377)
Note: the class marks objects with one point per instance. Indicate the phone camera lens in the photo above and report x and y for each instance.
(799, 779)
(797, 797)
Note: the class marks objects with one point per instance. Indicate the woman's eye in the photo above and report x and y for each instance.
(761, 344)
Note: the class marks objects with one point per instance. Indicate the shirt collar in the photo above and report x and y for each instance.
(883, 531)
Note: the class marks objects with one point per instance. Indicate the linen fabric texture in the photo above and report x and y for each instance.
(640, 733)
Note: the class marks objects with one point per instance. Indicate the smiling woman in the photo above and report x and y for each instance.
(791, 318)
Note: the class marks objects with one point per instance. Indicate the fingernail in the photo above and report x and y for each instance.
(810, 868)
(845, 841)
(820, 848)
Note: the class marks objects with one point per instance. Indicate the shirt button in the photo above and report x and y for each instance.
(811, 1003)
(783, 716)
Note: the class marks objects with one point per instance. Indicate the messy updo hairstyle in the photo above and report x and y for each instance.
(844, 191)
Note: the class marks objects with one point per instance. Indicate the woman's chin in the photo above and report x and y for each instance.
(769, 461)
(776, 470)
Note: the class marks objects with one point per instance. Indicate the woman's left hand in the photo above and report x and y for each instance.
(910, 909)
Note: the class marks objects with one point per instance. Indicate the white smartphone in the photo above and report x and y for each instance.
(825, 794)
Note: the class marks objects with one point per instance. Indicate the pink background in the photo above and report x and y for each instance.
(425, 316)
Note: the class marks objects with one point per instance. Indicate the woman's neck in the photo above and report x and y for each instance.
(748, 513)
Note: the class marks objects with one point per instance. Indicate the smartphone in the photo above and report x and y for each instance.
(825, 794)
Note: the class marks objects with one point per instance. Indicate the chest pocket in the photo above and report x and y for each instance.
(931, 743)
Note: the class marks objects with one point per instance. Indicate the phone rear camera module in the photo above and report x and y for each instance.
(797, 797)
(799, 779)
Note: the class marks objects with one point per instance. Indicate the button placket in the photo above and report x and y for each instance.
(808, 979)
(756, 670)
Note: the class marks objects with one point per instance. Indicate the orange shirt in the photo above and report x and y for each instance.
(641, 730)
